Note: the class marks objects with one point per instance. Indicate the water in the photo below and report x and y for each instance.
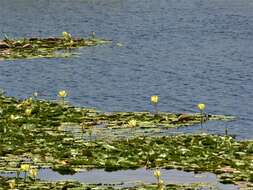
(184, 51)
(130, 178)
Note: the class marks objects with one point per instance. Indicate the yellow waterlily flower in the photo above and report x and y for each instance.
(24, 167)
(12, 184)
(157, 173)
(62, 93)
(28, 111)
(66, 35)
(154, 99)
(132, 123)
(201, 106)
(33, 172)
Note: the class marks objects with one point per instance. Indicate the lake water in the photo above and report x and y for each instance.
(184, 51)
(129, 178)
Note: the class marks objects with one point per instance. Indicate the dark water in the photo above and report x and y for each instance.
(184, 51)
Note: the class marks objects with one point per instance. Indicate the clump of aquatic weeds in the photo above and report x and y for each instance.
(44, 47)
(42, 136)
(10, 183)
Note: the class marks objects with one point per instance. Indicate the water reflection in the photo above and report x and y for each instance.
(127, 178)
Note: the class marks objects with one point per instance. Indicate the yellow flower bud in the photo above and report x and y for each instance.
(132, 123)
(25, 167)
(33, 172)
(201, 106)
(66, 35)
(62, 93)
(157, 173)
(154, 99)
(28, 112)
(12, 184)
(12, 117)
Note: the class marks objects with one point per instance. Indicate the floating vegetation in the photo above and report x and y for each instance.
(40, 138)
(30, 48)
(10, 183)
(37, 114)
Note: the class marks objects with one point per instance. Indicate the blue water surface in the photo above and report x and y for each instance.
(184, 51)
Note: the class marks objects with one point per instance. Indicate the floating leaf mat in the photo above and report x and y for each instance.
(74, 185)
(30, 48)
(52, 135)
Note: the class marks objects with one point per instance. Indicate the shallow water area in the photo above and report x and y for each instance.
(129, 178)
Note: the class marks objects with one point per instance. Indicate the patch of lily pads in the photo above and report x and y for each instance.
(35, 132)
(29, 184)
(36, 114)
(29, 48)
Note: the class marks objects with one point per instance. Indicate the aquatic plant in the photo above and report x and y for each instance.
(159, 181)
(25, 168)
(12, 184)
(201, 107)
(62, 94)
(35, 95)
(154, 101)
(93, 34)
(50, 136)
(2, 92)
(67, 36)
(226, 131)
(48, 114)
(132, 123)
(83, 126)
(75, 185)
(28, 112)
(68, 40)
(47, 47)
(33, 173)
(90, 131)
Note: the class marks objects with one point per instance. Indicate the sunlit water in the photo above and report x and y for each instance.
(128, 178)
